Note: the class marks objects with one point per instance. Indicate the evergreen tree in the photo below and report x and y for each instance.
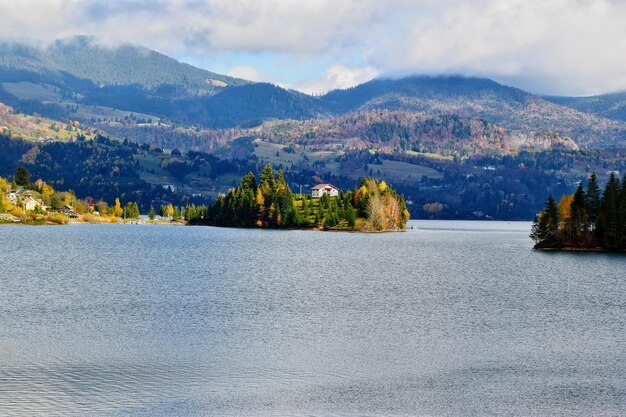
(189, 212)
(320, 215)
(608, 214)
(305, 207)
(283, 197)
(22, 176)
(350, 216)
(540, 231)
(248, 182)
(267, 177)
(578, 219)
(151, 213)
(593, 199)
(136, 213)
(552, 213)
(129, 211)
(622, 215)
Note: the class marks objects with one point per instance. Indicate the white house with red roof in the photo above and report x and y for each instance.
(321, 189)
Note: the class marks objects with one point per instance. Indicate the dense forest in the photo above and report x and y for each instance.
(587, 219)
(104, 168)
(387, 131)
(270, 203)
(611, 106)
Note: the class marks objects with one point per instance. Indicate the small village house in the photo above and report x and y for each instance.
(69, 211)
(24, 199)
(321, 189)
(29, 203)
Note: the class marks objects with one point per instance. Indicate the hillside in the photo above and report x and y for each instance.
(610, 106)
(479, 98)
(67, 62)
(79, 79)
(470, 174)
(384, 131)
(40, 129)
(401, 131)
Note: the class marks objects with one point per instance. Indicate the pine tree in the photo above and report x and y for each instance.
(151, 213)
(608, 214)
(248, 182)
(540, 230)
(283, 197)
(552, 213)
(622, 215)
(267, 177)
(319, 216)
(579, 213)
(22, 176)
(350, 216)
(593, 199)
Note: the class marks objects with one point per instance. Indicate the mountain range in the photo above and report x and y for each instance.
(130, 122)
(77, 78)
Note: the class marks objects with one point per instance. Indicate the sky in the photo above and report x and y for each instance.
(559, 47)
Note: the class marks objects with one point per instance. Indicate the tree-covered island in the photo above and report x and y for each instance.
(270, 203)
(587, 220)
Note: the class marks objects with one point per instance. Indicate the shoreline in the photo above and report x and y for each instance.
(312, 229)
(592, 249)
(74, 222)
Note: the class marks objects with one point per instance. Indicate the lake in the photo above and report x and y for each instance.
(448, 319)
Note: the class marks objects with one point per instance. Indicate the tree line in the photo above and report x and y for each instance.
(586, 219)
(269, 202)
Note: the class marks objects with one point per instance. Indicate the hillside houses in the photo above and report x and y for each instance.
(69, 211)
(25, 199)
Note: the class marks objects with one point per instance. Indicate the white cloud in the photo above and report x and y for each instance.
(247, 73)
(576, 46)
(337, 76)
(564, 46)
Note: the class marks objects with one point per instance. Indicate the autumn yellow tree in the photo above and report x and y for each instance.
(118, 210)
(565, 214)
(565, 209)
(4, 184)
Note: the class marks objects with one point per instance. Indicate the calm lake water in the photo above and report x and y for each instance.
(451, 319)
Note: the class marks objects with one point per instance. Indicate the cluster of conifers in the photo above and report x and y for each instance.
(270, 203)
(585, 219)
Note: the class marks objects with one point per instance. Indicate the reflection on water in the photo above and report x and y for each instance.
(453, 318)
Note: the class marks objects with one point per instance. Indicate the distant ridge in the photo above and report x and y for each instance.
(611, 106)
(76, 78)
(84, 58)
(480, 98)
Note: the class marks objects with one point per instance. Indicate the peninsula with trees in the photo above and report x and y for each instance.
(373, 206)
(587, 220)
(38, 203)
